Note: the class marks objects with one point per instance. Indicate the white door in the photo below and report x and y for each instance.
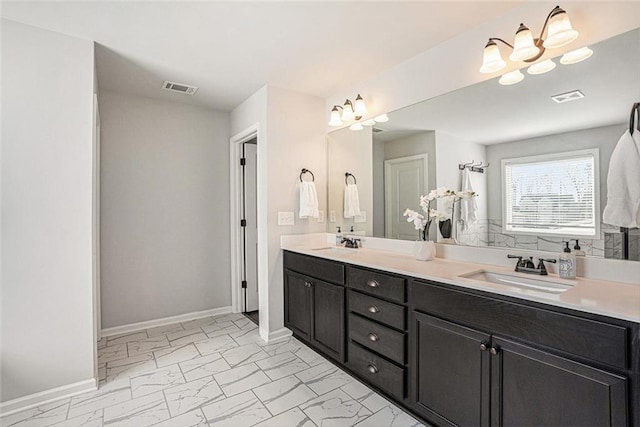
(251, 229)
(405, 180)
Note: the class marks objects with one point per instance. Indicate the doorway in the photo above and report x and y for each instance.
(249, 224)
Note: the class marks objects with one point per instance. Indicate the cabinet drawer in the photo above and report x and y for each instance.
(377, 284)
(315, 267)
(376, 309)
(385, 375)
(591, 339)
(378, 338)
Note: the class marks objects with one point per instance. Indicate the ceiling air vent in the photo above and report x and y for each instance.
(568, 96)
(179, 87)
(376, 130)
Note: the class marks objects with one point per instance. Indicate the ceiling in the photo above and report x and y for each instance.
(231, 49)
(488, 113)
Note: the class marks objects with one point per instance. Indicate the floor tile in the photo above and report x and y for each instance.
(245, 324)
(222, 328)
(125, 338)
(112, 352)
(230, 317)
(185, 337)
(324, 377)
(140, 412)
(390, 416)
(363, 394)
(203, 366)
(105, 396)
(166, 329)
(294, 417)
(284, 394)
(186, 397)
(243, 378)
(309, 356)
(147, 345)
(335, 408)
(198, 323)
(215, 345)
(156, 380)
(282, 365)
(238, 411)
(171, 355)
(287, 345)
(244, 354)
(43, 415)
(190, 419)
(92, 419)
(130, 366)
(245, 337)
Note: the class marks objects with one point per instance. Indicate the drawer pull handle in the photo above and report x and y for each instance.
(373, 309)
(494, 350)
(373, 369)
(373, 284)
(483, 346)
(373, 337)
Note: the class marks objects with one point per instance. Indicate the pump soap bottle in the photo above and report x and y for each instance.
(338, 237)
(577, 251)
(567, 264)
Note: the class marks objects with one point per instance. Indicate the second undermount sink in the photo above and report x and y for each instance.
(532, 283)
(336, 250)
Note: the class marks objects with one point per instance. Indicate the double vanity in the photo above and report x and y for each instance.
(458, 343)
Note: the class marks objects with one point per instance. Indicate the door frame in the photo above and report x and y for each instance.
(387, 191)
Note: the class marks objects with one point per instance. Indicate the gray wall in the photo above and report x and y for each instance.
(604, 138)
(47, 300)
(164, 209)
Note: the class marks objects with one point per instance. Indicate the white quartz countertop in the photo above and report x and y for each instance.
(613, 299)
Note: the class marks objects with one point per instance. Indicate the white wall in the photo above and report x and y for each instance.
(164, 209)
(47, 302)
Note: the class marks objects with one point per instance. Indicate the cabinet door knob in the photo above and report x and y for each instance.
(307, 284)
(373, 309)
(483, 346)
(373, 337)
(494, 350)
(373, 369)
(373, 284)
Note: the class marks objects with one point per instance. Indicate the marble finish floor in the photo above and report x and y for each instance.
(215, 371)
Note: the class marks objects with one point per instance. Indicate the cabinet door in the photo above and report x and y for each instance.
(328, 318)
(449, 372)
(534, 388)
(297, 292)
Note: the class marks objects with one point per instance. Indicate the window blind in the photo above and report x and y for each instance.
(555, 195)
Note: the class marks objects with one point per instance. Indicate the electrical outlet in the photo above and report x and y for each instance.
(320, 216)
(285, 218)
(361, 218)
(332, 216)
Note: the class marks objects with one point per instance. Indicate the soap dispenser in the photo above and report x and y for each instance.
(576, 249)
(567, 264)
(338, 237)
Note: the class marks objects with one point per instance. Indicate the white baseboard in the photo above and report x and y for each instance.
(165, 321)
(31, 401)
(278, 334)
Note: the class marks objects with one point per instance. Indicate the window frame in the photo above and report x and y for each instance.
(594, 152)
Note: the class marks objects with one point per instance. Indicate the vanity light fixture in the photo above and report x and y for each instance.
(559, 32)
(576, 56)
(353, 112)
(511, 78)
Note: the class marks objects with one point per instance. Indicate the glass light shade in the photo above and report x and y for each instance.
(369, 122)
(335, 117)
(347, 112)
(492, 59)
(359, 109)
(560, 32)
(356, 126)
(511, 78)
(383, 118)
(541, 67)
(576, 56)
(523, 46)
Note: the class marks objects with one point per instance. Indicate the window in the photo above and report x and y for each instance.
(555, 194)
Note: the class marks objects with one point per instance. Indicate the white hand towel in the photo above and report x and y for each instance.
(308, 200)
(468, 207)
(351, 201)
(623, 183)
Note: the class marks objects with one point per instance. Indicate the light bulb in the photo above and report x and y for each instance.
(576, 56)
(560, 32)
(347, 112)
(335, 117)
(541, 67)
(492, 59)
(359, 110)
(511, 78)
(356, 126)
(523, 46)
(369, 122)
(383, 118)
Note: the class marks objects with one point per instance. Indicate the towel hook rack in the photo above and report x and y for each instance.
(313, 178)
(634, 118)
(462, 166)
(346, 177)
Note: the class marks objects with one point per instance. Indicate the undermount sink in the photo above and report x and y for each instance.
(531, 283)
(336, 250)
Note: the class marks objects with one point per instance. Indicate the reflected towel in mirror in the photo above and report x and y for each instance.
(308, 200)
(351, 201)
(469, 206)
(623, 183)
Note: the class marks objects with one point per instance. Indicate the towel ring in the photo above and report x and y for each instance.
(346, 177)
(313, 178)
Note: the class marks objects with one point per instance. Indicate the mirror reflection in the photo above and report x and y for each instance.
(546, 179)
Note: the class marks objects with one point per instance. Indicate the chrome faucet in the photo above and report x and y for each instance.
(526, 265)
(350, 243)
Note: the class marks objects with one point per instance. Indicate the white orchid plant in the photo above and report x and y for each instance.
(423, 222)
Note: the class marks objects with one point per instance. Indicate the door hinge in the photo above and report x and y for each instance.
(243, 223)
(244, 284)
(243, 161)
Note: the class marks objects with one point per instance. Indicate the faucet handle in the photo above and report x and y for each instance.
(541, 266)
(514, 256)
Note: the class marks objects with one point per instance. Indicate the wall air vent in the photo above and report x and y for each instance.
(179, 87)
(376, 130)
(568, 96)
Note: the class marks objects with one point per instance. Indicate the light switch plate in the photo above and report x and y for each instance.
(285, 218)
(332, 216)
(321, 216)
(361, 218)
